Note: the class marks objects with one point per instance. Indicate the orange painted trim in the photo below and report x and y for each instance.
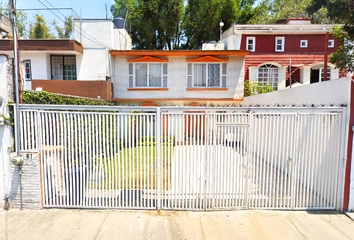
(178, 99)
(207, 89)
(147, 89)
(147, 59)
(208, 59)
(179, 52)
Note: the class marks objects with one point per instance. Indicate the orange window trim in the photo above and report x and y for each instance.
(179, 99)
(147, 59)
(179, 52)
(208, 59)
(147, 89)
(207, 89)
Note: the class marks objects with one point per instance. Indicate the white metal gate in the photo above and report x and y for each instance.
(186, 158)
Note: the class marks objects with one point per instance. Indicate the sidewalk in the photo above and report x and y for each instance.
(116, 224)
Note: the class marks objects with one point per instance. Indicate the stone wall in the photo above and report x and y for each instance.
(31, 184)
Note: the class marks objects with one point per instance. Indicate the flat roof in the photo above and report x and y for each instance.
(42, 45)
(179, 52)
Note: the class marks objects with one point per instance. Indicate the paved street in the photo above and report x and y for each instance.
(114, 224)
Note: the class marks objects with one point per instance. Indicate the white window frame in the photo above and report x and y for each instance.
(303, 41)
(132, 75)
(282, 44)
(223, 75)
(331, 43)
(268, 66)
(253, 44)
(30, 69)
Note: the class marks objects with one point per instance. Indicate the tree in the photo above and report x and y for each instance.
(153, 24)
(39, 29)
(269, 12)
(340, 11)
(202, 17)
(64, 32)
(20, 22)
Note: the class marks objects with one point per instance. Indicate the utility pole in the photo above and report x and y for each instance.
(18, 94)
(18, 86)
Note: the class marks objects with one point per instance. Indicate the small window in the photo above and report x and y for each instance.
(28, 70)
(251, 44)
(331, 43)
(279, 44)
(303, 43)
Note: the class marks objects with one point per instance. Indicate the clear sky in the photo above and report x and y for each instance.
(90, 8)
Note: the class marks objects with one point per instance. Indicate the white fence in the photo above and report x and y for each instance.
(187, 158)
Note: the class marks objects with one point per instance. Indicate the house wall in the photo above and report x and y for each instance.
(177, 81)
(40, 64)
(95, 33)
(90, 89)
(266, 43)
(330, 92)
(93, 64)
(6, 140)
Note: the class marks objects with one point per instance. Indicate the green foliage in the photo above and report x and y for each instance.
(269, 12)
(44, 97)
(337, 10)
(340, 11)
(64, 32)
(201, 20)
(21, 23)
(39, 29)
(255, 88)
(167, 24)
(343, 58)
(153, 24)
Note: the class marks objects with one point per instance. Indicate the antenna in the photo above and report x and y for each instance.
(106, 10)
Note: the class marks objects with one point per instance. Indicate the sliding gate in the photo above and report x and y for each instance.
(187, 158)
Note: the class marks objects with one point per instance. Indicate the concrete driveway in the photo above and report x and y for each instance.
(114, 224)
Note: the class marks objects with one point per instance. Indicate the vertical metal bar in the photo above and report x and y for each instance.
(158, 155)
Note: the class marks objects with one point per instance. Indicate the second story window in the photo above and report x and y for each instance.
(152, 75)
(28, 70)
(303, 43)
(279, 44)
(63, 67)
(251, 44)
(331, 43)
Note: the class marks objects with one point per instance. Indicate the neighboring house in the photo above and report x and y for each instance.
(46, 62)
(272, 47)
(178, 77)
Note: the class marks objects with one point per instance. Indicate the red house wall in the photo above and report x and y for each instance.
(266, 43)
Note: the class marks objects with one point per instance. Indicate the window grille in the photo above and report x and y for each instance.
(206, 75)
(63, 67)
(28, 70)
(268, 74)
(148, 75)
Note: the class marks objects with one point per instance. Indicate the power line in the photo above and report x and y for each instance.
(94, 40)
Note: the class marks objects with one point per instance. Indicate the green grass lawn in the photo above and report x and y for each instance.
(135, 168)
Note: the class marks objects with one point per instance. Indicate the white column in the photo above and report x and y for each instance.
(305, 74)
(282, 77)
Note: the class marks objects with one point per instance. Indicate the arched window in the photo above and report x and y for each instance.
(268, 73)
